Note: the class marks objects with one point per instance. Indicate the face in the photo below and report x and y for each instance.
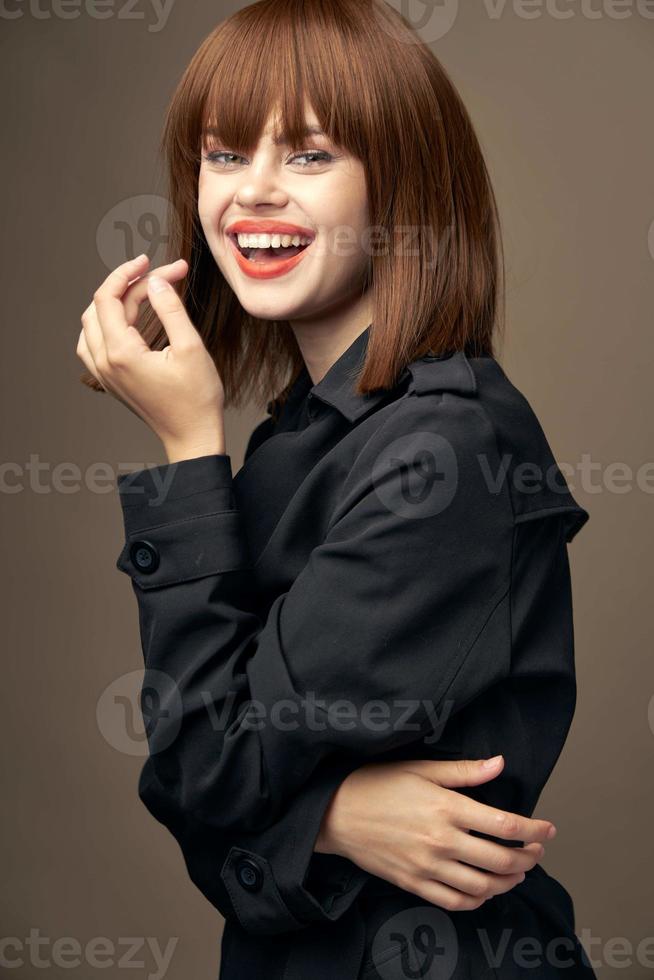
(318, 193)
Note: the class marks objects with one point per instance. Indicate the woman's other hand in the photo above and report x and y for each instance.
(177, 391)
(402, 821)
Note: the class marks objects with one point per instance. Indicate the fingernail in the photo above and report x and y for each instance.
(139, 257)
(157, 284)
(491, 763)
(551, 832)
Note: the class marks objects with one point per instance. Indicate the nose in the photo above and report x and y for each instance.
(260, 186)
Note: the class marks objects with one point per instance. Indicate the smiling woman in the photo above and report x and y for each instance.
(363, 561)
(358, 150)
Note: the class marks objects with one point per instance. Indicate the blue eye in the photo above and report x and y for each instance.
(317, 156)
(215, 154)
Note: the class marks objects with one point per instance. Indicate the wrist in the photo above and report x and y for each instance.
(328, 840)
(176, 451)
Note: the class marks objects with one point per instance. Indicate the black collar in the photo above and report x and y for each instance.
(429, 373)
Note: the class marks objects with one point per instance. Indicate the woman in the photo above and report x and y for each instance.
(336, 636)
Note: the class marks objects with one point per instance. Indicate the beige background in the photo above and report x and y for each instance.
(563, 108)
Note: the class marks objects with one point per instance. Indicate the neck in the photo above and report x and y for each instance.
(323, 339)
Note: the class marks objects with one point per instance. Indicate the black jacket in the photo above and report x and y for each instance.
(386, 577)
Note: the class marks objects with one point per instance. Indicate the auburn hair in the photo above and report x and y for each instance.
(379, 93)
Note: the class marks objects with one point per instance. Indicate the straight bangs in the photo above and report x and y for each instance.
(379, 94)
(278, 56)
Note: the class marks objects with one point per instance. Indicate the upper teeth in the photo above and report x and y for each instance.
(272, 241)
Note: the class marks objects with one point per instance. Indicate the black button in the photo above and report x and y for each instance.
(145, 556)
(249, 874)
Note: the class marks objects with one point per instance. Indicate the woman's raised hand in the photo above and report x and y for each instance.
(402, 821)
(177, 391)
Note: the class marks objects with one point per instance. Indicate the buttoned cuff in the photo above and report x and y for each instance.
(329, 883)
(253, 892)
(277, 881)
(181, 522)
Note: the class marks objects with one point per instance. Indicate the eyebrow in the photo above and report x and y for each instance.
(278, 140)
(309, 131)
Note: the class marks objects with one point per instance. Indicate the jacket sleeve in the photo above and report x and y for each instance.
(252, 724)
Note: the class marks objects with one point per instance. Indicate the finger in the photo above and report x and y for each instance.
(136, 294)
(473, 882)
(471, 815)
(85, 356)
(108, 299)
(455, 772)
(138, 291)
(440, 894)
(93, 336)
(170, 310)
(478, 816)
(496, 858)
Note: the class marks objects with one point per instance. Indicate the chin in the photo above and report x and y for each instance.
(267, 311)
(271, 300)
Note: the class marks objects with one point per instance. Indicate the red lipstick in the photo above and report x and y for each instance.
(273, 267)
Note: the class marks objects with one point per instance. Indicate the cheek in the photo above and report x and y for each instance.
(209, 206)
(204, 212)
(351, 239)
(348, 209)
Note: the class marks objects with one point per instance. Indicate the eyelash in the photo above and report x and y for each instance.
(321, 156)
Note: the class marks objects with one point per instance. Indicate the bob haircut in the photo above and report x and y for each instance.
(378, 91)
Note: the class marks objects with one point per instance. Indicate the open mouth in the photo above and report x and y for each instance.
(265, 255)
(273, 262)
(261, 256)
